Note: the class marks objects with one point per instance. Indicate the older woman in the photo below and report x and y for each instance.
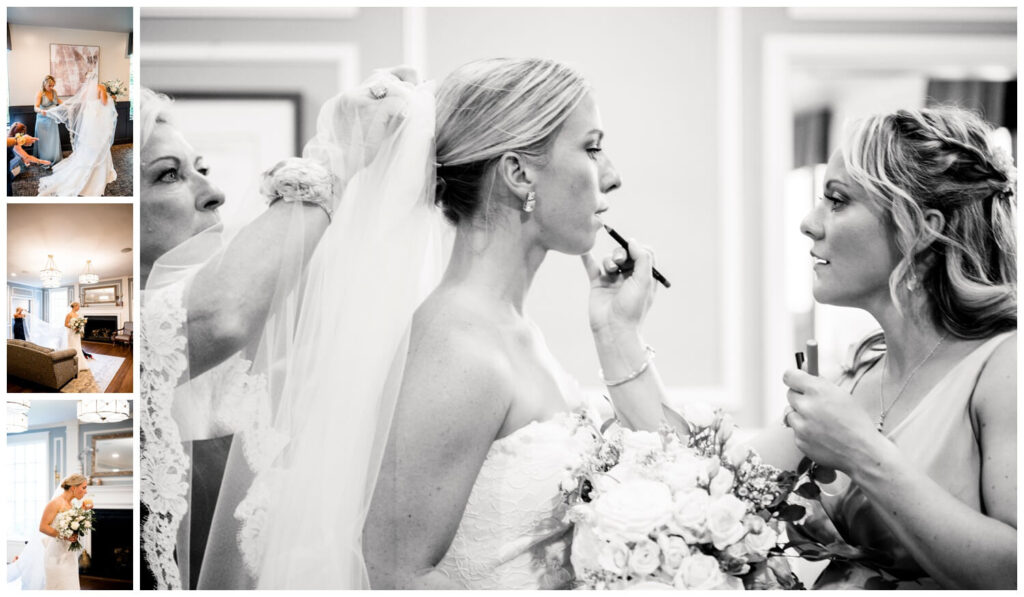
(211, 307)
(17, 157)
(917, 228)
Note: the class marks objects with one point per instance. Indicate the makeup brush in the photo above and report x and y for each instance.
(625, 245)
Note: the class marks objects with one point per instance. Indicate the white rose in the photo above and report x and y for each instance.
(684, 473)
(699, 414)
(613, 557)
(618, 475)
(585, 548)
(699, 572)
(689, 518)
(88, 525)
(725, 520)
(758, 544)
(645, 557)
(632, 510)
(674, 549)
(722, 483)
(74, 526)
(638, 445)
(650, 585)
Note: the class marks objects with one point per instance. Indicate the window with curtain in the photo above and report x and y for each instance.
(28, 490)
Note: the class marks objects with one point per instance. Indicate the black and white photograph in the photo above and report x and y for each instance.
(69, 504)
(578, 298)
(69, 119)
(70, 293)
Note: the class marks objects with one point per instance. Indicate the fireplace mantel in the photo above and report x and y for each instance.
(112, 497)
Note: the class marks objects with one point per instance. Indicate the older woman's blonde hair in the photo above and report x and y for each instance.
(489, 107)
(154, 109)
(945, 159)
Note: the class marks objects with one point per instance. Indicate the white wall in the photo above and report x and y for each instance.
(654, 75)
(29, 60)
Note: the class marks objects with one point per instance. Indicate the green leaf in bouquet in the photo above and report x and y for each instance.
(823, 474)
(791, 512)
(607, 424)
(805, 465)
(808, 490)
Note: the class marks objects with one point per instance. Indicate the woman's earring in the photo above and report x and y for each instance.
(912, 283)
(530, 202)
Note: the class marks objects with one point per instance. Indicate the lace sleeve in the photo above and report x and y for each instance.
(163, 460)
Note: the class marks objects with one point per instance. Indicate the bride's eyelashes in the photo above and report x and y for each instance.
(593, 151)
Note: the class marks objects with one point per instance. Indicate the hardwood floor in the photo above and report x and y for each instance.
(121, 383)
(95, 583)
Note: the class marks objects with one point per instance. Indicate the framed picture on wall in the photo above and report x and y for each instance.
(71, 65)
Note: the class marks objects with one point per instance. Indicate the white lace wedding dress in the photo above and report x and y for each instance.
(177, 409)
(514, 533)
(90, 167)
(75, 341)
(60, 565)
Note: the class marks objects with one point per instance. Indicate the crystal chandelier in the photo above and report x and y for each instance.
(101, 410)
(88, 277)
(50, 275)
(17, 415)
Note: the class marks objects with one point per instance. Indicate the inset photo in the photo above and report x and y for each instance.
(70, 295)
(69, 120)
(69, 494)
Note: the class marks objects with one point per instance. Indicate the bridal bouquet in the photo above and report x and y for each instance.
(654, 510)
(78, 521)
(115, 87)
(78, 325)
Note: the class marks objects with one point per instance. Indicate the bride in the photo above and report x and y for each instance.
(482, 429)
(74, 338)
(90, 116)
(60, 564)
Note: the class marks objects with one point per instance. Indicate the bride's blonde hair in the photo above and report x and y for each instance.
(73, 481)
(489, 107)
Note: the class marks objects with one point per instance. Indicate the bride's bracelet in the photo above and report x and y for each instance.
(635, 374)
(300, 180)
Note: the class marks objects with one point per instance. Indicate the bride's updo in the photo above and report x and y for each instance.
(73, 481)
(490, 107)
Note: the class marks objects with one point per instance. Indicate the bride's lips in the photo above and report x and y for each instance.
(819, 261)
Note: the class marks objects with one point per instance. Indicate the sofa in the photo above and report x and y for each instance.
(44, 366)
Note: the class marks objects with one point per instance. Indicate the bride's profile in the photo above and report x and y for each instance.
(458, 421)
(60, 563)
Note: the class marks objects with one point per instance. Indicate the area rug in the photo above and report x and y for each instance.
(102, 369)
(27, 185)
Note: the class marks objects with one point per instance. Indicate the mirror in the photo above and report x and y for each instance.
(100, 295)
(112, 454)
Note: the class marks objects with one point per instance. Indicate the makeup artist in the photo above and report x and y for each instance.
(917, 227)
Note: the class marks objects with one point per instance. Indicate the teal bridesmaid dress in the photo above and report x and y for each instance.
(48, 131)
